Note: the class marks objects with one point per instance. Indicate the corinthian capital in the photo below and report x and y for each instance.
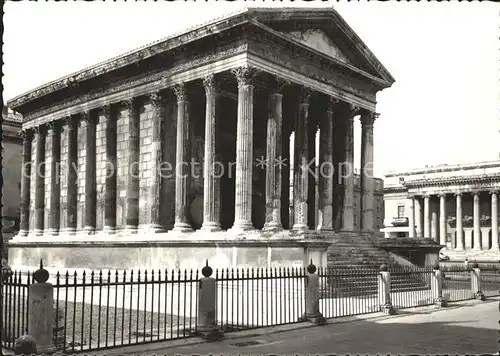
(210, 84)
(368, 118)
(106, 111)
(280, 85)
(26, 135)
(72, 122)
(244, 75)
(304, 95)
(331, 103)
(40, 130)
(156, 99)
(180, 91)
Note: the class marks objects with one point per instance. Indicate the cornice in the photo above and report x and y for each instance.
(447, 181)
(445, 168)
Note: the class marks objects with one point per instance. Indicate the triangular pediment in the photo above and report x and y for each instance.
(319, 40)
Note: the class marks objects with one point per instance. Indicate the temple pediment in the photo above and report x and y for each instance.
(320, 41)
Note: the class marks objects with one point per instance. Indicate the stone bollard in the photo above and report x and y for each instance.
(207, 300)
(437, 287)
(384, 291)
(41, 319)
(475, 282)
(312, 297)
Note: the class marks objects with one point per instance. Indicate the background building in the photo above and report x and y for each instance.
(455, 205)
(12, 151)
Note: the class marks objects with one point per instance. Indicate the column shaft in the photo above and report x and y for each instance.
(301, 172)
(111, 171)
(211, 182)
(274, 159)
(156, 162)
(442, 220)
(427, 222)
(182, 171)
(24, 224)
(459, 224)
(285, 183)
(476, 222)
(244, 150)
(367, 199)
(348, 175)
(418, 217)
(40, 180)
(72, 174)
(55, 178)
(411, 219)
(494, 221)
(89, 224)
(326, 169)
(132, 221)
(434, 221)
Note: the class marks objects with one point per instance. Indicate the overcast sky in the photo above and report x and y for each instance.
(443, 108)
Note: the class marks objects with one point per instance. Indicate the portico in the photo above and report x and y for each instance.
(182, 141)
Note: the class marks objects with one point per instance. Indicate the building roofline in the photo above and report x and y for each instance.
(444, 168)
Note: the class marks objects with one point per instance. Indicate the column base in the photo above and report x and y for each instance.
(182, 227)
(48, 350)
(53, 231)
(324, 228)
(494, 249)
(152, 229)
(315, 318)
(300, 228)
(272, 227)
(210, 333)
(111, 230)
(130, 229)
(440, 302)
(240, 226)
(70, 231)
(210, 227)
(388, 309)
(38, 232)
(89, 230)
(23, 233)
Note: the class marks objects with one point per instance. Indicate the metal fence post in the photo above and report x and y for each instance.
(207, 301)
(312, 297)
(384, 291)
(437, 286)
(475, 279)
(41, 318)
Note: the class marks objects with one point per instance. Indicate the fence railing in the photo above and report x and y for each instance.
(107, 309)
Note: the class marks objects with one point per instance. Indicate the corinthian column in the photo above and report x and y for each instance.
(418, 217)
(182, 161)
(367, 120)
(40, 132)
(411, 219)
(326, 169)
(427, 222)
(72, 124)
(274, 158)
(494, 221)
(55, 178)
(89, 223)
(133, 163)
(156, 162)
(24, 224)
(434, 221)
(301, 174)
(476, 222)
(442, 219)
(244, 150)
(459, 226)
(348, 172)
(211, 192)
(111, 170)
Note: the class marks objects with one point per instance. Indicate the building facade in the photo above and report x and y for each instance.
(11, 174)
(455, 205)
(190, 136)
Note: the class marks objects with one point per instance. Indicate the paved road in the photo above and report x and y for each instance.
(462, 329)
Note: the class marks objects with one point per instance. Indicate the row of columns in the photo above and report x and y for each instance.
(430, 222)
(244, 165)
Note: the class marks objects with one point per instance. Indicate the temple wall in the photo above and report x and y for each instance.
(145, 137)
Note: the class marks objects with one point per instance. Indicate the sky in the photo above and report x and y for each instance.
(443, 108)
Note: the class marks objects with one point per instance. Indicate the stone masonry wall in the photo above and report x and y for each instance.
(145, 137)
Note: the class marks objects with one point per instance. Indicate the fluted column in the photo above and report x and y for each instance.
(40, 132)
(459, 224)
(326, 168)
(442, 220)
(156, 162)
(244, 150)
(418, 217)
(132, 221)
(24, 224)
(434, 221)
(111, 170)
(494, 221)
(476, 222)
(348, 172)
(411, 219)
(274, 158)
(89, 223)
(72, 124)
(211, 182)
(301, 172)
(182, 171)
(367, 199)
(55, 178)
(427, 222)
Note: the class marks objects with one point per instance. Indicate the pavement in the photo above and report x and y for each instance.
(469, 327)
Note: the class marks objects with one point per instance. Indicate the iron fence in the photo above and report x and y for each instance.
(107, 309)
